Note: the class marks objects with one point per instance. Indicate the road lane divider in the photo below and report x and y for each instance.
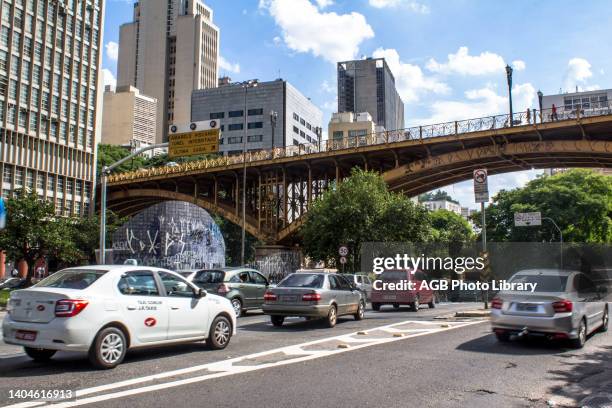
(213, 370)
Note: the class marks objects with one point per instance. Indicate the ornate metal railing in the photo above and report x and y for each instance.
(459, 127)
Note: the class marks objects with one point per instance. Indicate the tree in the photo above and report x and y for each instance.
(85, 233)
(109, 154)
(437, 196)
(450, 227)
(232, 235)
(579, 201)
(361, 209)
(32, 231)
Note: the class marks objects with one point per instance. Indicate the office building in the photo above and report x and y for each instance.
(298, 120)
(170, 49)
(347, 126)
(442, 205)
(568, 103)
(368, 85)
(50, 99)
(129, 118)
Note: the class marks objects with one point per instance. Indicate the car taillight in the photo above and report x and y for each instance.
(311, 297)
(563, 306)
(269, 297)
(222, 289)
(69, 307)
(496, 303)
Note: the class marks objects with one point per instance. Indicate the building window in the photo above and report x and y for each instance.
(296, 130)
(255, 125)
(255, 138)
(8, 174)
(234, 140)
(217, 115)
(235, 114)
(338, 134)
(235, 126)
(296, 117)
(296, 143)
(255, 112)
(302, 122)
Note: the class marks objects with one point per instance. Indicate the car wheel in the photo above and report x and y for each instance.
(415, 305)
(108, 349)
(220, 333)
(38, 354)
(503, 337)
(604, 321)
(360, 311)
(332, 317)
(237, 305)
(582, 334)
(376, 307)
(432, 304)
(277, 321)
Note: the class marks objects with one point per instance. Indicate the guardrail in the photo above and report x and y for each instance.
(527, 117)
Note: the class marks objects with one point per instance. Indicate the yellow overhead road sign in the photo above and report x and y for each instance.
(193, 143)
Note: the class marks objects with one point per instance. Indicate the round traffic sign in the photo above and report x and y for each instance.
(480, 176)
(343, 251)
(343, 260)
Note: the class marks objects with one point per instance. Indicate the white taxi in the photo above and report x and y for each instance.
(105, 309)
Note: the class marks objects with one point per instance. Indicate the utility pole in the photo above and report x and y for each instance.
(246, 85)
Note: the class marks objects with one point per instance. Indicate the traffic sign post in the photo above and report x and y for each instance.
(193, 139)
(481, 195)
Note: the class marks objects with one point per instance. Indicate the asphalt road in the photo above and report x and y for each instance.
(411, 360)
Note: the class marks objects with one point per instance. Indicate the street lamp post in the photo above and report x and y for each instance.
(560, 239)
(509, 78)
(246, 85)
(106, 170)
(540, 96)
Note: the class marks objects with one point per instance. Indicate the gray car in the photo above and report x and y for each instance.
(244, 287)
(313, 295)
(362, 282)
(564, 305)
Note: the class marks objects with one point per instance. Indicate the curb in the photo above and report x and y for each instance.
(473, 313)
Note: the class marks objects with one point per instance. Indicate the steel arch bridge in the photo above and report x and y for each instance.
(282, 183)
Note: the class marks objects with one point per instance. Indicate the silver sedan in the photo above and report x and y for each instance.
(564, 305)
(313, 295)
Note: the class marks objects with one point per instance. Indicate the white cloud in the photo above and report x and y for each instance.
(577, 73)
(465, 64)
(480, 102)
(409, 79)
(334, 37)
(227, 66)
(519, 65)
(112, 50)
(411, 5)
(109, 78)
(324, 3)
(327, 87)
(331, 105)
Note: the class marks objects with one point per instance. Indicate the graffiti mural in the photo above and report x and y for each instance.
(174, 234)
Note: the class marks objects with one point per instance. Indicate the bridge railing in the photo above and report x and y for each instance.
(458, 127)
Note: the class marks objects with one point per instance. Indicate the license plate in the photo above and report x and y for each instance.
(288, 298)
(25, 335)
(389, 297)
(527, 307)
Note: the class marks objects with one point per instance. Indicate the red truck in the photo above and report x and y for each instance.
(401, 287)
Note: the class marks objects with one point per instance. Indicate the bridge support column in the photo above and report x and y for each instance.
(276, 261)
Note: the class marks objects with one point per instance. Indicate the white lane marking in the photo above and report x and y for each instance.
(229, 367)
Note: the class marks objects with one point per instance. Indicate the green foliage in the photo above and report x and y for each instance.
(109, 154)
(32, 231)
(450, 227)
(579, 201)
(4, 295)
(358, 210)
(436, 196)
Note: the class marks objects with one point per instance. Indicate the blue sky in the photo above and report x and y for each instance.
(448, 57)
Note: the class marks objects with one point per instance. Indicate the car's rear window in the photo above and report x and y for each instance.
(393, 275)
(302, 280)
(71, 279)
(209, 277)
(544, 283)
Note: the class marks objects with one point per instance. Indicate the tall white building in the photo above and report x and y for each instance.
(567, 103)
(50, 99)
(170, 49)
(442, 205)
